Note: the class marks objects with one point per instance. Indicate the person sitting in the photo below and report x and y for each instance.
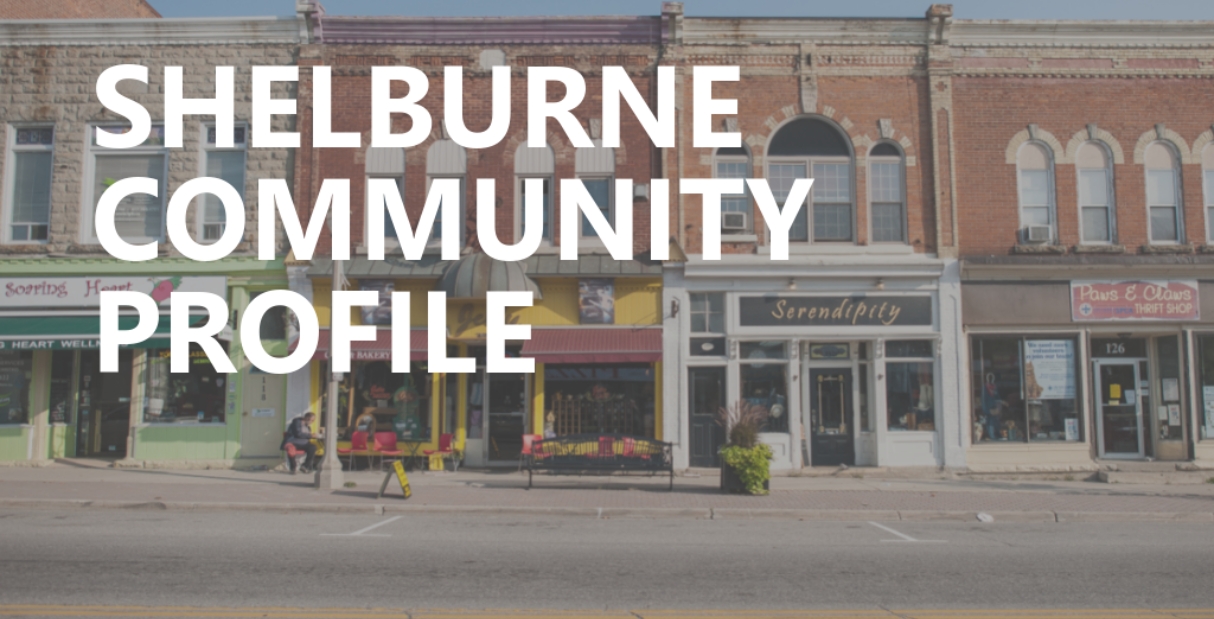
(299, 434)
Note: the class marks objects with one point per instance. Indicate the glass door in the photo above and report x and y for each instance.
(830, 414)
(507, 416)
(104, 407)
(1119, 408)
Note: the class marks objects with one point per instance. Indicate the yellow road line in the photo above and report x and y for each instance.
(154, 612)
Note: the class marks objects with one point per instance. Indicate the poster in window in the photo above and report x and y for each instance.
(596, 301)
(1049, 369)
(382, 313)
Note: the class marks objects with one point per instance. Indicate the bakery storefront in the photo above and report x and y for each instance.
(1065, 372)
(853, 371)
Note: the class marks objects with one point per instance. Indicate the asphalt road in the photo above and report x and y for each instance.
(142, 557)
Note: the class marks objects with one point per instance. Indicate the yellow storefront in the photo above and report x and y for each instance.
(596, 338)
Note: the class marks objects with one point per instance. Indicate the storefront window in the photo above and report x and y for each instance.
(389, 402)
(197, 396)
(592, 399)
(1024, 389)
(764, 381)
(1168, 418)
(708, 312)
(910, 385)
(1205, 348)
(16, 372)
(63, 364)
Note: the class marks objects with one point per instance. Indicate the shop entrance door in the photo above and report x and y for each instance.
(830, 414)
(1118, 408)
(103, 407)
(507, 416)
(263, 420)
(707, 388)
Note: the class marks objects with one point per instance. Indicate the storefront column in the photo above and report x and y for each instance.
(952, 410)
(796, 432)
(139, 364)
(879, 403)
(657, 400)
(436, 408)
(537, 400)
(40, 408)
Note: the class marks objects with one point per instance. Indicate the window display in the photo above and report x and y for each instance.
(197, 396)
(764, 381)
(16, 372)
(910, 385)
(616, 399)
(1024, 389)
(388, 402)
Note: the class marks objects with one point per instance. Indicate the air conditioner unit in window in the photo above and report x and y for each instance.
(733, 221)
(1037, 234)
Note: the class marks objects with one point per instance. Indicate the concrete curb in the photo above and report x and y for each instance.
(609, 513)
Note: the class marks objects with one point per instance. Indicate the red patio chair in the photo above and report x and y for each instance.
(446, 447)
(358, 447)
(529, 441)
(385, 445)
(606, 447)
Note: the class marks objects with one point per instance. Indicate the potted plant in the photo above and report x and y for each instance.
(745, 462)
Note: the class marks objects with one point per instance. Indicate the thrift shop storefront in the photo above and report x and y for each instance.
(595, 337)
(56, 403)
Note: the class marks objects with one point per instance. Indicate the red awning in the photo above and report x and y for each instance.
(379, 350)
(594, 345)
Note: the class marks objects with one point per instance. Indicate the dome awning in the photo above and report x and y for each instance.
(476, 274)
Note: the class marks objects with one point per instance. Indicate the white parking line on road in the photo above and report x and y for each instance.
(905, 537)
(363, 532)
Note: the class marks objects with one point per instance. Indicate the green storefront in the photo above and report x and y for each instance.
(55, 402)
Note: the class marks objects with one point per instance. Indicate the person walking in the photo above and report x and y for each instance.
(299, 434)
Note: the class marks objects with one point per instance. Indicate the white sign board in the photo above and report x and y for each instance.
(86, 291)
(1049, 369)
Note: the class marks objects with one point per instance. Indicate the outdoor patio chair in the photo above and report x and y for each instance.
(385, 446)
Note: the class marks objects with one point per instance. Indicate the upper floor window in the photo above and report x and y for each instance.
(1207, 171)
(737, 214)
(708, 312)
(596, 169)
(1163, 194)
(31, 157)
(140, 217)
(534, 163)
(227, 164)
(446, 159)
(1035, 169)
(1096, 211)
(887, 195)
(814, 148)
(387, 163)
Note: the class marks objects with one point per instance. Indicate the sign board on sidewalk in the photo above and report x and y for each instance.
(398, 469)
(1093, 300)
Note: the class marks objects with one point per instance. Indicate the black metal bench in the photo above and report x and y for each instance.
(599, 454)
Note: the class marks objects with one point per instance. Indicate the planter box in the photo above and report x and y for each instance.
(732, 484)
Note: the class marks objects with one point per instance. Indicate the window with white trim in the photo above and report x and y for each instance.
(1207, 173)
(1095, 176)
(1035, 172)
(708, 312)
(446, 159)
(1163, 194)
(735, 163)
(814, 147)
(596, 169)
(139, 217)
(534, 163)
(227, 164)
(886, 187)
(387, 163)
(31, 152)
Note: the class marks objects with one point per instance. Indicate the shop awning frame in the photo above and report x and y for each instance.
(594, 345)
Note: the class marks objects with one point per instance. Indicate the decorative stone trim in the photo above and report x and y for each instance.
(1205, 249)
(1038, 249)
(1098, 249)
(205, 31)
(1092, 133)
(1166, 249)
(1033, 133)
(1200, 144)
(1162, 134)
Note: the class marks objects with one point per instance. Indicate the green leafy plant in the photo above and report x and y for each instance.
(750, 464)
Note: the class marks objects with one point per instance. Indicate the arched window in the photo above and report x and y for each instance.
(1035, 169)
(533, 163)
(1097, 215)
(446, 159)
(737, 214)
(1163, 194)
(814, 148)
(387, 163)
(887, 194)
(1207, 169)
(596, 168)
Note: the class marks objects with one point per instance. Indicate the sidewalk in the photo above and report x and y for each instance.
(89, 484)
